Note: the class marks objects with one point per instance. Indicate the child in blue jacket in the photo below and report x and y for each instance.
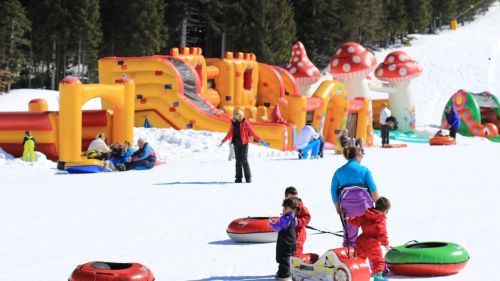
(124, 157)
(287, 240)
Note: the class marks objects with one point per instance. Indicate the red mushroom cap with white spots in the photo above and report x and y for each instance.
(301, 67)
(351, 61)
(397, 66)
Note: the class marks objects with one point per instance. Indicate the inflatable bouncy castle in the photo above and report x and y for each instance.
(479, 114)
(185, 90)
(62, 135)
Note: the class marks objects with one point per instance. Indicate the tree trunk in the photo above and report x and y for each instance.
(183, 32)
(223, 44)
(54, 67)
(79, 66)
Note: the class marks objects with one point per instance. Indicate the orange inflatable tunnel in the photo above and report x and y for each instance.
(43, 127)
(95, 122)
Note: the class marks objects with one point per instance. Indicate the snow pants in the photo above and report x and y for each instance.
(29, 151)
(384, 133)
(242, 166)
(312, 145)
(369, 247)
(453, 132)
(147, 163)
(301, 239)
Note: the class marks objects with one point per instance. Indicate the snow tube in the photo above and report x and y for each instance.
(84, 166)
(426, 259)
(252, 230)
(108, 271)
(394, 145)
(442, 141)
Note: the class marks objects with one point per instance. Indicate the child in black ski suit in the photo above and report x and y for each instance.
(287, 240)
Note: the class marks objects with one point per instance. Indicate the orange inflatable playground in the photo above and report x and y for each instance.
(184, 90)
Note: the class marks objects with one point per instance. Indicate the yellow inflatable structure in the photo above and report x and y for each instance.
(61, 135)
(186, 91)
(73, 95)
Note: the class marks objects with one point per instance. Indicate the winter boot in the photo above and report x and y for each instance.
(121, 167)
(378, 277)
(237, 181)
(248, 180)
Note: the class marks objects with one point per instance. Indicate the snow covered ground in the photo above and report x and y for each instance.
(173, 218)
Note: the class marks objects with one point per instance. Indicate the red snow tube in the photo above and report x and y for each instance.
(427, 269)
(111, 271)
(442, 141)
(252, 230)
(394, 145)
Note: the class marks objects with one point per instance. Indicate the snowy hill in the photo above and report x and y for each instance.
(173, 218)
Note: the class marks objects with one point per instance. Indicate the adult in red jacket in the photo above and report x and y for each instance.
(373, 224)
(303, 218)
(239, 133)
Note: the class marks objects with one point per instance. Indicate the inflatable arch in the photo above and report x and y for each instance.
(73, 95)
(479, 114)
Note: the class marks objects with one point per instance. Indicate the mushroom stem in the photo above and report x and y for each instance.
(306, 90)
(357, 87)
(402, 105)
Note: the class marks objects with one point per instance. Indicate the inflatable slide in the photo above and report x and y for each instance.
(186, 91)
(479, 114)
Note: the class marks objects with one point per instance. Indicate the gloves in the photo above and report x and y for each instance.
(264, 143)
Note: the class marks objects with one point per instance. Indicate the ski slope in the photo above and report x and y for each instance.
(173, 218)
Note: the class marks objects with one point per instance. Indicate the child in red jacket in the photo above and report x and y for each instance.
(303, 219)
(374, 234)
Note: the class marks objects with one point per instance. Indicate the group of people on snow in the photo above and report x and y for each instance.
(121, 156)
(359, 205)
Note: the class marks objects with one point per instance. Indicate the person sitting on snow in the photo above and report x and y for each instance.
(303, 219)
(287, 240)
(346, 141)
(308, 140)
(28, 147)
(373, 224)
(98, 149)
(145, 157)
(121, 153)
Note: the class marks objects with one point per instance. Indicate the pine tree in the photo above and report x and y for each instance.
(148, 34)
(317, 27)
(419, 15)
(395, 20)
(443, 11)
(135, 29)
(371, 22)
(14, 45)
(266, 28)
(89, 35)
(50, 36)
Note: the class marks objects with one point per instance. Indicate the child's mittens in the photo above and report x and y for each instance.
(264, 143)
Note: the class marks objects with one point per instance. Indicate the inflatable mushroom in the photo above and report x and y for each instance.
(351, 64)
(302, 69)
(397, 69)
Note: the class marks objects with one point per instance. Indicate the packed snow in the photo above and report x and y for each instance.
(173, 218)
